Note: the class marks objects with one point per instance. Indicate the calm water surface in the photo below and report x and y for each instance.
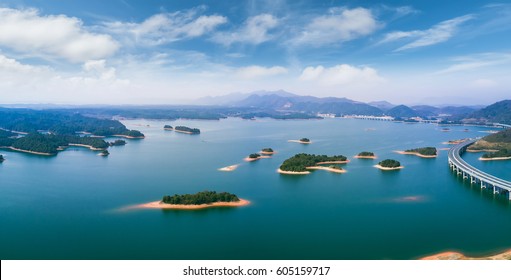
(70, 206)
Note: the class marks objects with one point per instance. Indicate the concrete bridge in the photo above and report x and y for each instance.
(476, 176)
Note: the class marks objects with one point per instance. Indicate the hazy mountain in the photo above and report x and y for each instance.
(383, 105)
(402, 111)
(499, 112)
(232, 98)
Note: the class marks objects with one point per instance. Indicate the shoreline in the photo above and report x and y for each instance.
(329, 169)
(267, 153)
(254, 159)
(86, 146)
(451, 255)
(388, 168)
(129, 137)
(160, 205)
(495, 158)
(298, 141)
(293, 172)
(30, 152)
(482, 151)
(229, 168)
(416, 154)
(366, 157)
(333, 162)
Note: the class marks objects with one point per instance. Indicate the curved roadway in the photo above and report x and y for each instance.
(455, 157)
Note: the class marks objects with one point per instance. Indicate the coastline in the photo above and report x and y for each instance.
(129, 137)
(267, 153)
(293, 172)
(333, 162)
(416, 154)
(482, 151)
(182, 131)
(298, 141)
(160, 205)
(329, 169)
(30, 152)
(450, 255)
(366, 157)
(86, 146)
(495, 158)
(388, 168)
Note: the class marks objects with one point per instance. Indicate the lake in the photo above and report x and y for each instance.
(72, 206)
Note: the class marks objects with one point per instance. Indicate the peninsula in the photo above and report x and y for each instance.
(366, 155)
(389, 164)
(50, 144)
(200, 200)
(497, 146)
(426, 152)
(299, 164)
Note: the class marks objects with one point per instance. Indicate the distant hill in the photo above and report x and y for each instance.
(402, 111)
(232, 98)
(503, 136)
(499, 112)
(383, 105)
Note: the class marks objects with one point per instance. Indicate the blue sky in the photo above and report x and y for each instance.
(156, 52)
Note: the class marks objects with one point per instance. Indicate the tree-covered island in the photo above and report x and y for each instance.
(188, 130)
(1, 158)
(302, 162)
(389, 164)
(305, 140)
(167, 127)
(369, 155)
(253, 157)
(204, 197)
(267, 151)
(425, 152)
(117, 142)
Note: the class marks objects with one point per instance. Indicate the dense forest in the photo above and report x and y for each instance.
(300, 162)
(390, 163)
(366, 154)
(50, 143)
(187, 129)
(498, 154)
(60, 123)
(205, 197)
(426, 151)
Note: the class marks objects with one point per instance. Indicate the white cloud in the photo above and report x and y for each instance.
(29, 33)
(342, 74)
(256, 71)
(477, 61)
(168, 27)
(340, 25)
(438, 33)
(99, 69)
(254, 31)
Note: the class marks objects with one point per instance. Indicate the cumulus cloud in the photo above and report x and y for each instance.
(438, 33)
(29, 33)
(340, 25)
(168, 27)
(342, 74)
(256, 71)
(255, 30)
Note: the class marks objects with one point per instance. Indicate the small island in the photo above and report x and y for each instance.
(168, 127)
(229, 168)
(187, 130)
(1, 158)
(455, 142)
(200, 200)
(117, 142)
(300, 164)
(366, 155)
(104, 153)
(253, 157)
(389, 164)
(426, 152)
(301, 141)
(267, 151)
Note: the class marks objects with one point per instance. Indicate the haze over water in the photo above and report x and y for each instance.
(70, 206)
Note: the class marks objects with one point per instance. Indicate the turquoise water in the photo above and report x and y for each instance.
(70, 206)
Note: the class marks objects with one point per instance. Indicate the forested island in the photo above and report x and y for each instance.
(497, 146)
(117, 142)
(1, 158)
(61, 123)
(367, 155)
(199, 200)
(300, 163)
(301, 141)
(425, 152)
(267, 151)
(50, 144)
(254, 157)
(389, 164)
(167, 127)
(188, 130)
